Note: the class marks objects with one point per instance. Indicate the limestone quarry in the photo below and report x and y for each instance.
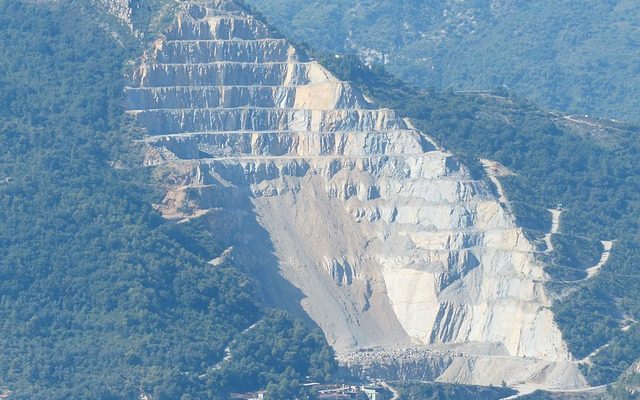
(345, 214)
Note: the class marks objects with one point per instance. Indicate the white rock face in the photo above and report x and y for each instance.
(381, 239)
(120, 9)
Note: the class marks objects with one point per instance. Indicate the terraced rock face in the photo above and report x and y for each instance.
(343, 211)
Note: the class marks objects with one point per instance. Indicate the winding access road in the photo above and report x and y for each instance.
(555, 227)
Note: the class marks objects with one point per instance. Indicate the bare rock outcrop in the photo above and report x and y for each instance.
(121, 9)
(341, 208)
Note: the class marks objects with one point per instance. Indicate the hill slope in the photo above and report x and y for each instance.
(99, 297)
(575, 57)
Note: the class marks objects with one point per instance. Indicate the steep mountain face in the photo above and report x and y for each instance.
(574, 57)
(348, 214)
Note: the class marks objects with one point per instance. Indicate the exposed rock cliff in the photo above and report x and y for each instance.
(120, 9)
(382, 239)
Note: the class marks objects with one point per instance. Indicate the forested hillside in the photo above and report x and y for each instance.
(578, 57)
(628, 387)
(99, 297)
(592, 172)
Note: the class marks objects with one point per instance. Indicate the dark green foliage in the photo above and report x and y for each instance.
(99, 297)
(577, 57)
(539, 395)
(587, 321)
(576, 252)
(587, 315)
(614, 359)
(572, 256)
(277, 350)
(532, 218)
(591, 317)
(628, 387)
(443, 391)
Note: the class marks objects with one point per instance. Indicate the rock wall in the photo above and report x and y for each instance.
(340, 208)
(120, 9)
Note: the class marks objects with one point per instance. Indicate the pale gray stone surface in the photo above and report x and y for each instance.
(342, 210)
